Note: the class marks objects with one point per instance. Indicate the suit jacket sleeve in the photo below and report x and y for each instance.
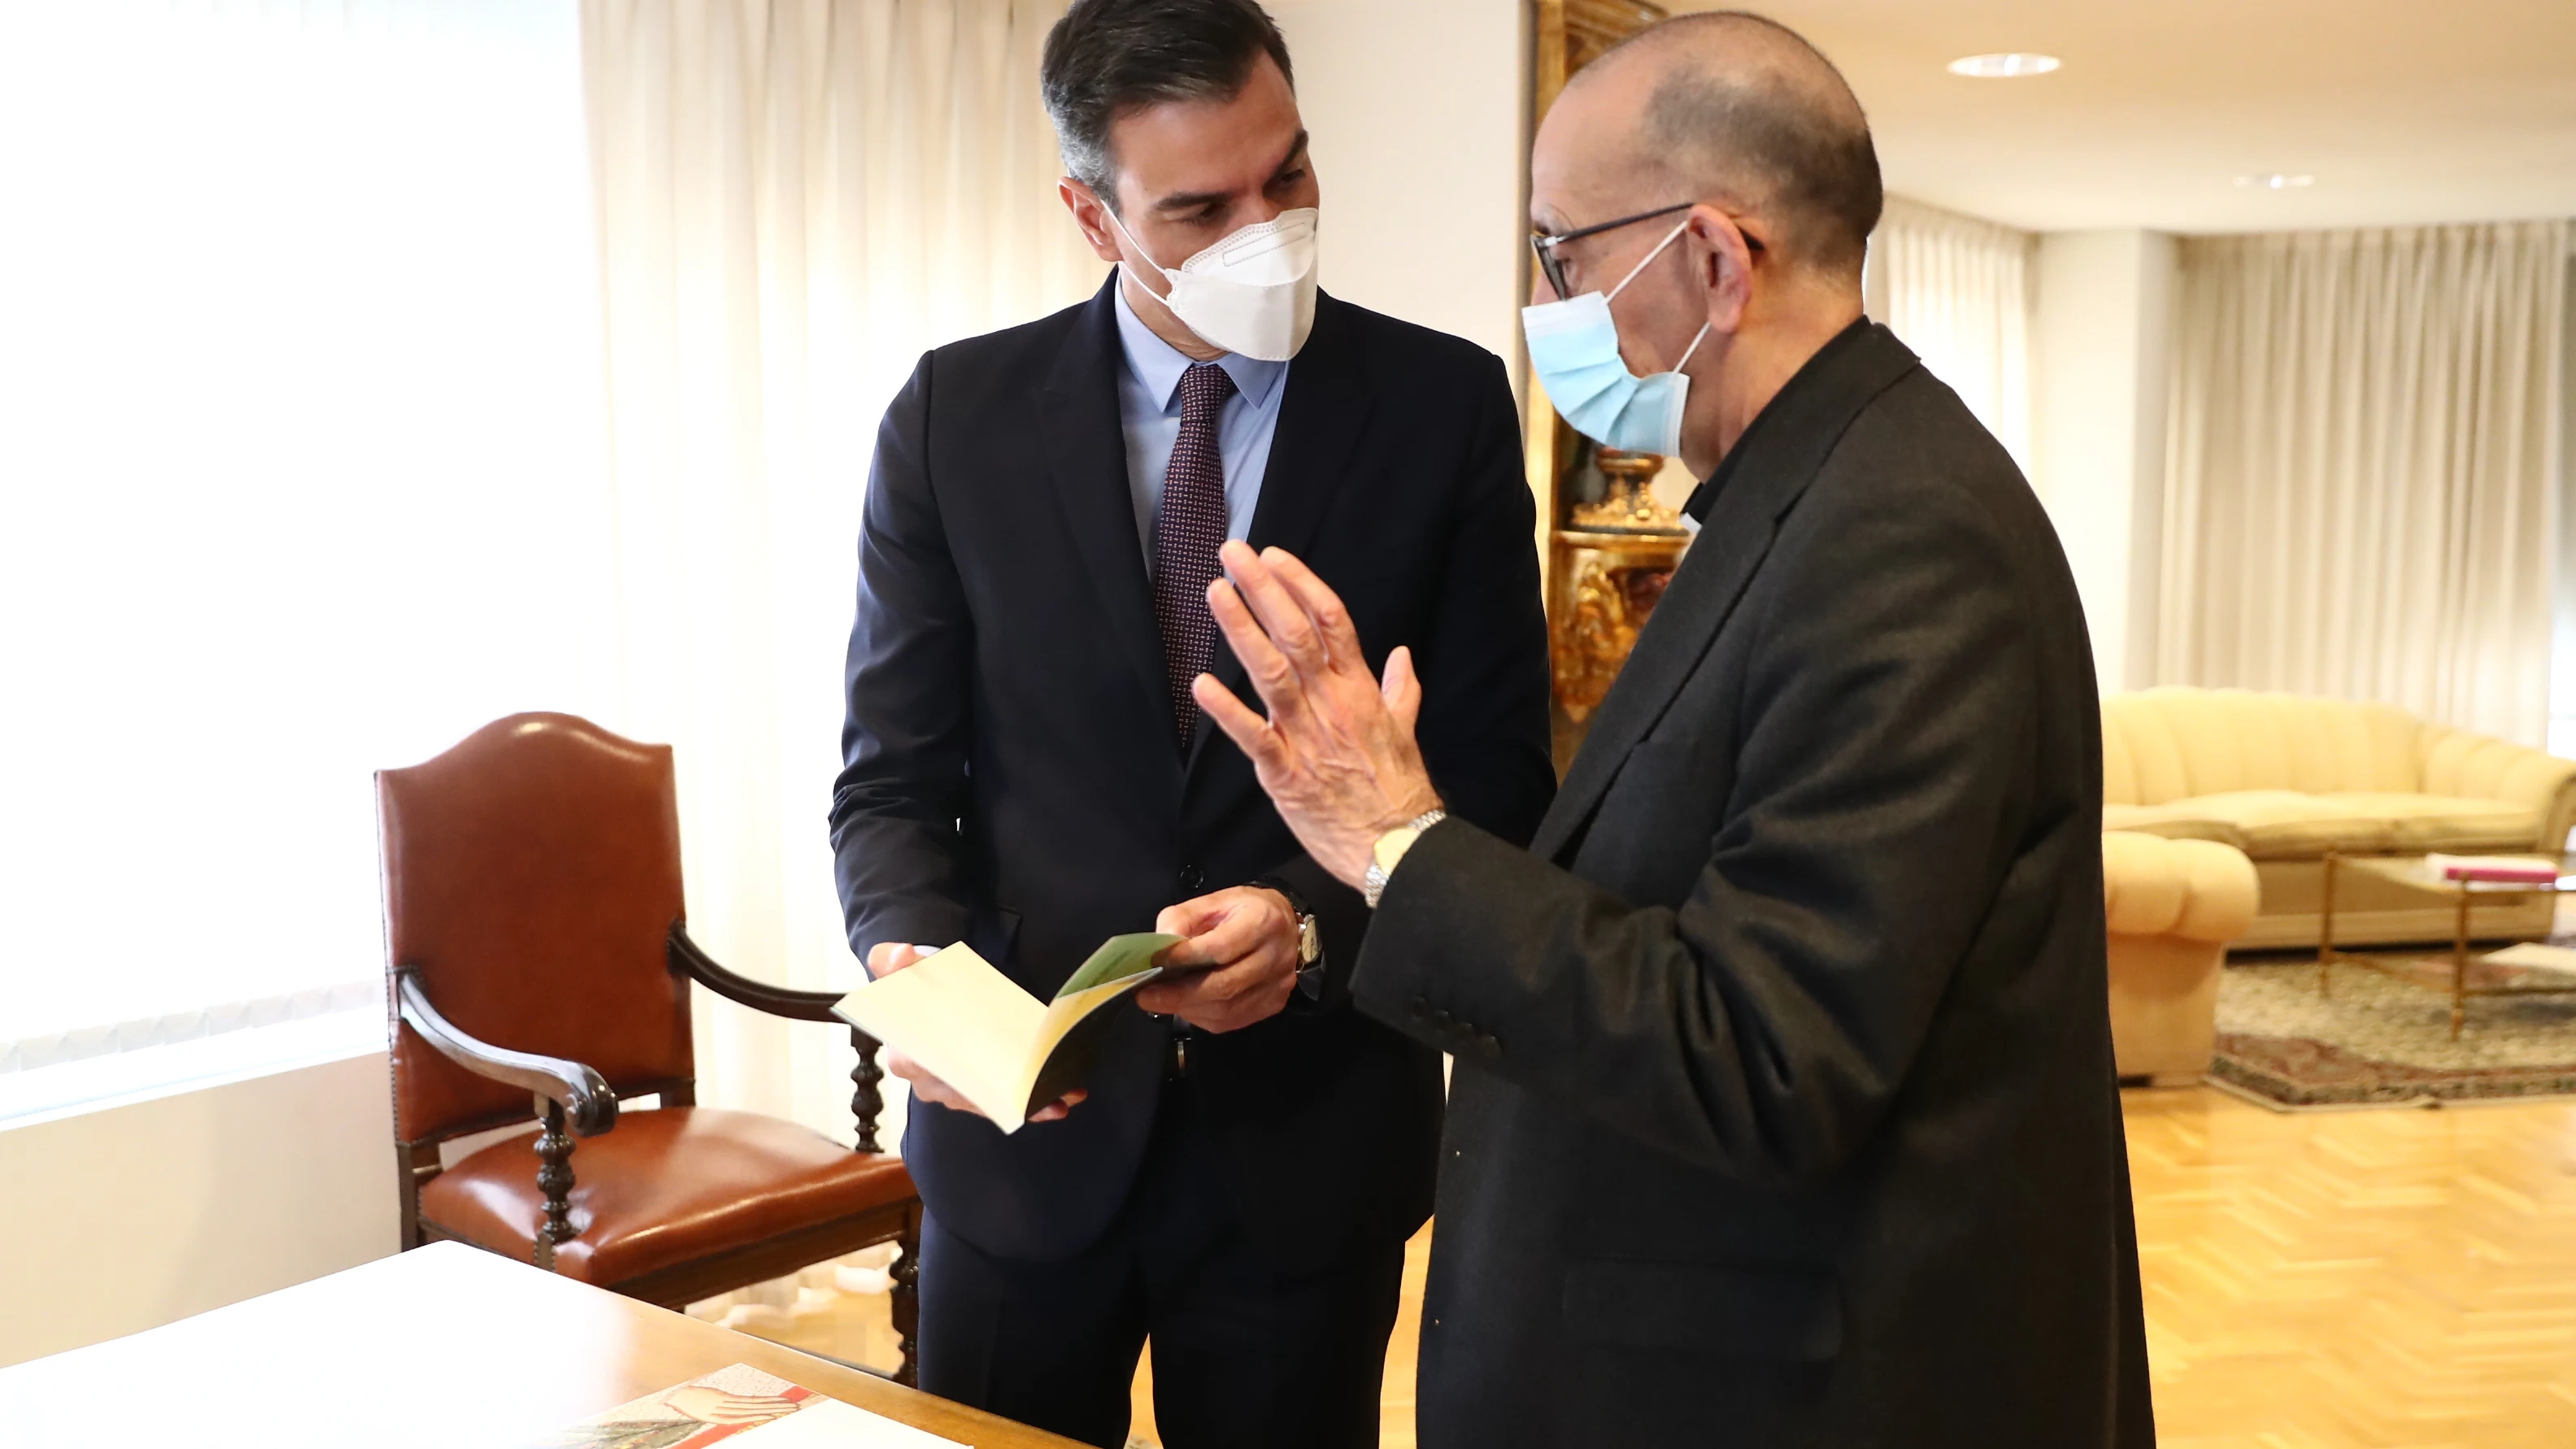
(903, 786)
(1761, 1027)
(1483, 664)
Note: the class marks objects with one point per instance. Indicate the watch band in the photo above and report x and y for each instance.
(1310, 937)
(1373, 881)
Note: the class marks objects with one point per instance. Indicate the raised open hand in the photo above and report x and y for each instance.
(1337, 752)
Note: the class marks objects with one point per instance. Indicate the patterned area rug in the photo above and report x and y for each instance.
(2381, 1042)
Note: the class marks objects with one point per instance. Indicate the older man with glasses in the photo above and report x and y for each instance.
(1784, 1111)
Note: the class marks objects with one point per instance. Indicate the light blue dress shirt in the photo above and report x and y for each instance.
(1149, 413)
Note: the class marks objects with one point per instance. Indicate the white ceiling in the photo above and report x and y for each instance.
(2405, 111)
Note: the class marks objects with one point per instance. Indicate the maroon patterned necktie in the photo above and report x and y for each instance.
(1187, 533)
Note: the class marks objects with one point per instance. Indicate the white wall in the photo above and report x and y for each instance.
(2100, 358)
(1416, 109)
(119, 1220)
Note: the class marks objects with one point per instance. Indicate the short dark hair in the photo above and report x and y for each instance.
(1107, 58)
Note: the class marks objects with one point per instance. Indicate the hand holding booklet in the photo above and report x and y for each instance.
(1000, 1047)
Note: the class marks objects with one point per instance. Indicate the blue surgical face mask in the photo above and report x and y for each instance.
(1574, 348)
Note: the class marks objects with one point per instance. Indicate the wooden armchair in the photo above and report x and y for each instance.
(536, 953)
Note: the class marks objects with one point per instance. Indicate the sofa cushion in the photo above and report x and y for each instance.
(2446, 822)
(2290, 825)
(2173, 822)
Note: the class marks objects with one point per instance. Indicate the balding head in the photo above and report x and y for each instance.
(1732, 107)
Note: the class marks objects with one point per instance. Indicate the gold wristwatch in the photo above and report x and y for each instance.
(1390, 848)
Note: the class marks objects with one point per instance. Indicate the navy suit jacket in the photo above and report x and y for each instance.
(1011, 779)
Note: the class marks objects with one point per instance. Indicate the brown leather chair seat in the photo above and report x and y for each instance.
(665, 1187)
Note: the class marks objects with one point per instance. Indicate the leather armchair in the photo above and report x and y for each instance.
(538, 964)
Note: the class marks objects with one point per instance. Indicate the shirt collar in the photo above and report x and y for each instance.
(1159, 365)
(1704, 497)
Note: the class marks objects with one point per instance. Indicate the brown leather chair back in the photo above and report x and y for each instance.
(531, 876)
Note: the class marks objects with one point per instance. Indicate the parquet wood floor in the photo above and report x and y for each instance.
(2395, 1278)
(2380, 1279)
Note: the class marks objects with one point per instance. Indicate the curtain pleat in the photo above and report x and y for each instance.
(2362, 458)
(795, 199)
(1958, 291)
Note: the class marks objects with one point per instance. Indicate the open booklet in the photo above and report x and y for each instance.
(1000, 1047)
(741, 1404)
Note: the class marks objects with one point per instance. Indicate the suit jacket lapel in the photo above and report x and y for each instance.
(1321, 419)
(1086, 455)
(1795, 436)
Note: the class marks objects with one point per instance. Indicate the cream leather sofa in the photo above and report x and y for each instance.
(2171, 906)
(2283, 778)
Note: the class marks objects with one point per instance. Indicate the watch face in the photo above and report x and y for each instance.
(1390, 846)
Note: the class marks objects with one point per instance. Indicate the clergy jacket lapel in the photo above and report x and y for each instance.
(1786, 454)
(1321, 419)
(1086, 455)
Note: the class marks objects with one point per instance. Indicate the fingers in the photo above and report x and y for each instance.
(1191, 917)
(927, 1087)
(1254, 951)
(1233, 930)
(1281, 613)
(1249, 731)
(1322, 606)
(1274, 676)
(1402, 688)
(886, 957)
(1238, 996)
(1054, 1111)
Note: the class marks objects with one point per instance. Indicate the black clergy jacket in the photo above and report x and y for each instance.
(1012, 779)
(1784, 1112)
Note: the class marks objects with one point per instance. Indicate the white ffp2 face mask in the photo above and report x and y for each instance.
(1574, 349)
(1253, 293)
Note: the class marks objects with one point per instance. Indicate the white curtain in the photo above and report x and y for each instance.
(796, 197)
(2361, 497)
(299, 478)
(1958, 291)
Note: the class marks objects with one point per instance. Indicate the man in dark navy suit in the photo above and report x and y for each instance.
(1027, 770)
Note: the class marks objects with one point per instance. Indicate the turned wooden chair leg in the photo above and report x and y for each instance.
(866, 1102)
(554, 1179)
(906, 1274)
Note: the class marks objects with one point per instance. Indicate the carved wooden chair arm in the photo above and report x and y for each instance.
(584, 1096)
(691, 960)
(867, 1101)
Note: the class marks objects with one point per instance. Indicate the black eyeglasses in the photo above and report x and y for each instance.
(1554, 270)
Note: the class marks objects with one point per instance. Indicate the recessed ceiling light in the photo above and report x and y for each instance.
(2003, 64)
(2276, 181)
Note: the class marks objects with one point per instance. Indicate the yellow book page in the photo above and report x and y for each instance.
(970, 1025)
(1066, 1017)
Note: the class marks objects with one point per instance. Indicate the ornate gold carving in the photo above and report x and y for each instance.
(1593, 26)
(1607, 560)
(1573, 33)
(1608, 587)
(1630, 506)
